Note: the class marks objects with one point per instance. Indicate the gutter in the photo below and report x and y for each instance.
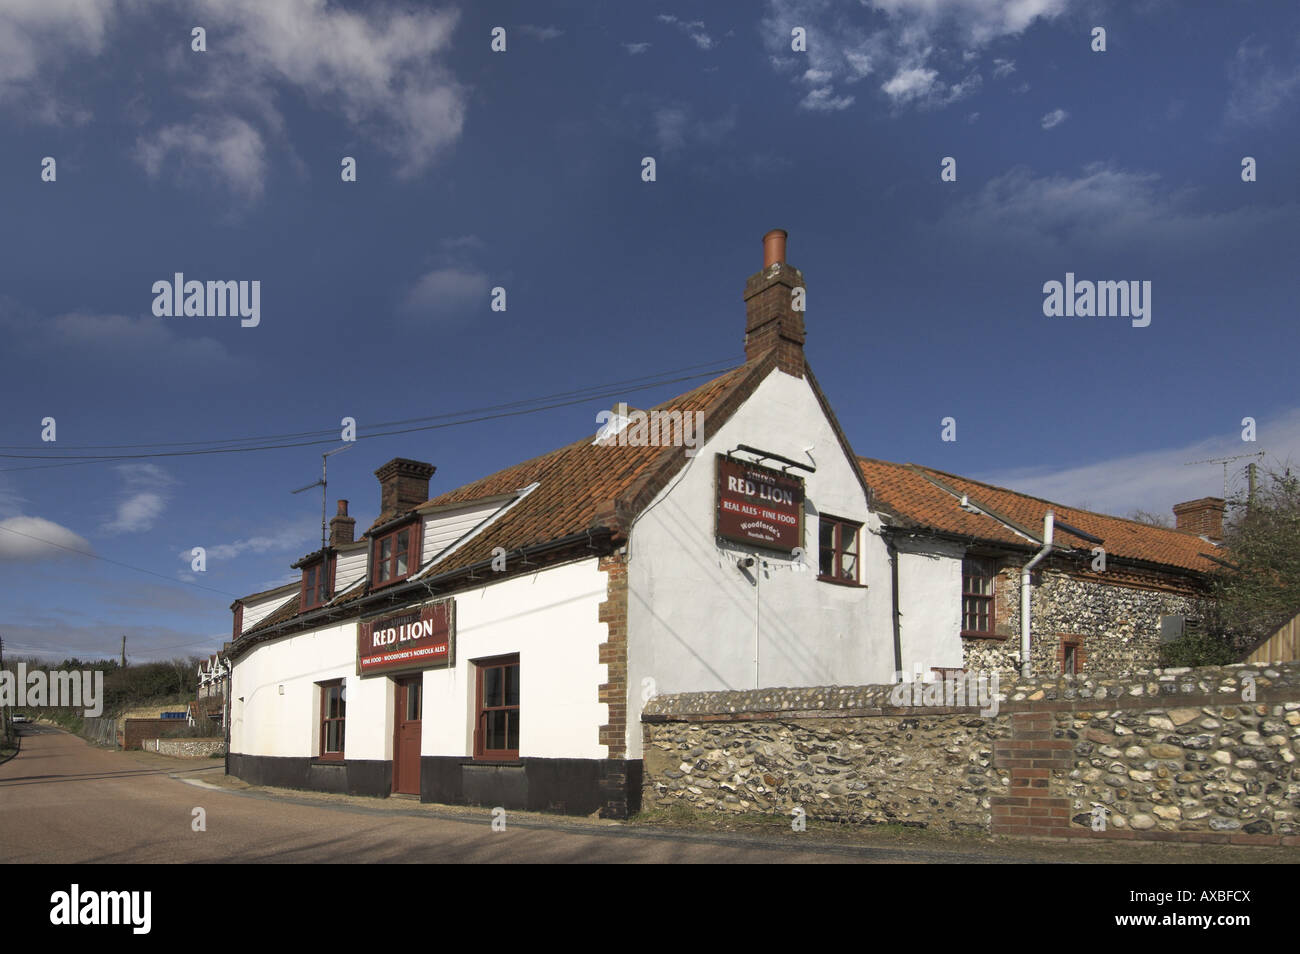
(358, 607)
(1026, 573)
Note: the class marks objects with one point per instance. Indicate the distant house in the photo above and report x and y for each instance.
(494, 644)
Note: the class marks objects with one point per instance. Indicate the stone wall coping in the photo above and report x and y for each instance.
(1217, 685)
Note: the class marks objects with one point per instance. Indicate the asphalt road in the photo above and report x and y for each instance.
(64, 801)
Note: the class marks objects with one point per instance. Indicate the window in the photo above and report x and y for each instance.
(333, 709)
(1071, 655)
(837, 550)
(315, 585)
(497, 732)
(391, 557)
(977, 597)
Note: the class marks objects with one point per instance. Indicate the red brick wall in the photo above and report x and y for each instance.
(613, 654)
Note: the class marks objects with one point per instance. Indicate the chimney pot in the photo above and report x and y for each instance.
(774, 247)
(774, 308)
(342, 527)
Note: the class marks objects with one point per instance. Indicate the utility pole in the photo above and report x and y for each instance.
(124, 650)
(1250, 494)
(1225, 461)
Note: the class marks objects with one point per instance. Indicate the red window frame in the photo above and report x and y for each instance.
(830, 558)
(379, 563)
(978, 585)
(330, 716)
(504, 687)
(317, 584)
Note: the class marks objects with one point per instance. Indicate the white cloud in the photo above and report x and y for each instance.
(922, 87)
(913, 42)
(115, 342)
(225, 147)
(676, 128)
(542, 33)
(381, 69)
(31, 539)
(1158, 479)
(293, 538)
(694, 29)
(907, 85)
(447, 294)
(142, 500)
(635, 48)
(824, 100)
(37, 36)
(1053, 119)
(1257, 88)
(1102, 208)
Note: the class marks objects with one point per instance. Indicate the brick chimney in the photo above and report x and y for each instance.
(403, 484)
(771, 317)
(1202, 517)
(342, 527)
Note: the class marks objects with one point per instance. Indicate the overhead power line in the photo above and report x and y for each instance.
(331, 436)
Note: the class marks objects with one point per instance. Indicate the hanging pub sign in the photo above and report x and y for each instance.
(420, 637)
(759, 506)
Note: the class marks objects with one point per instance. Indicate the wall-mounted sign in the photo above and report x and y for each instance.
(759, 506)
(421, 637)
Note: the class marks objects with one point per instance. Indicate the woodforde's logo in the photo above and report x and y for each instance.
(77, 907)
(1087, 299)
(195, 299)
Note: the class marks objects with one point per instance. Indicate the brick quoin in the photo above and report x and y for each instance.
(613, 655)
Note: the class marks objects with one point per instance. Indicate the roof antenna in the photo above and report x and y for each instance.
(323, 483)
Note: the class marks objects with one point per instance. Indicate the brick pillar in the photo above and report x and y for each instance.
(1031, 755)
(612, 612)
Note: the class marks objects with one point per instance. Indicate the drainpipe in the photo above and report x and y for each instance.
(898, 636)
(1025, 574)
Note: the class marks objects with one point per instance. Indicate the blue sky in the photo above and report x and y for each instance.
(522, 170)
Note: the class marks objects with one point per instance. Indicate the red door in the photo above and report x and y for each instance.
(406, 737)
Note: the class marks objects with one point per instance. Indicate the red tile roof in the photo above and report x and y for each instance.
(915, 495)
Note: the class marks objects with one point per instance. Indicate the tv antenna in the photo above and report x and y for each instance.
(323, 483)
(1224, 461)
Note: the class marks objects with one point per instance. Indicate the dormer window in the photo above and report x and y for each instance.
(315, 584)
(391, 556)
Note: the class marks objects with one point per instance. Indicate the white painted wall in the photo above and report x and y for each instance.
(444, 528)
(549, 619)
(258, 610)
(350, 568)
(691, 612)
(929, 599)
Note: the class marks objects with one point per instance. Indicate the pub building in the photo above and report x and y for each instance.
(494, 644)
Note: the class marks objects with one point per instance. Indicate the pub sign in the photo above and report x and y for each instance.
(418, 637)
(759, 506)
